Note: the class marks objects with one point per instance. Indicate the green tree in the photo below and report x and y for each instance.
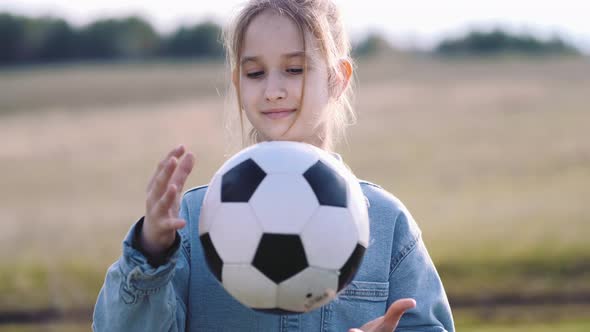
(498, 41)
(12, 32)
(123, 38)
(137, 38)
(27, 40)
(201, 40)
(47, 39)
(372, 44)
(58, 43)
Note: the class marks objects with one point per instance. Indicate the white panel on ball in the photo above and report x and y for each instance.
(329, 238)
(284, 157)
(249, 286)
(284, 203)
(235, 232)
(308, 290)
(359, 211)
(211, 204)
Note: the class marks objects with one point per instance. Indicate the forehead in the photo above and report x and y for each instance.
(270, 34)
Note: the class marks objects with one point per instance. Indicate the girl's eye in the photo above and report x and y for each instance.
(295, 71)
(255, 74)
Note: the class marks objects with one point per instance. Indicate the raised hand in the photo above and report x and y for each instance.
(389, 321)
(163, 201)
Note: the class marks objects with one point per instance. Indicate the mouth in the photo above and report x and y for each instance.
(278, 113)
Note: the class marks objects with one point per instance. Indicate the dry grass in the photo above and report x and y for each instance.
(491, 157)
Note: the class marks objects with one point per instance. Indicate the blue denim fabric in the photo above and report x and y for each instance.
(182, 295)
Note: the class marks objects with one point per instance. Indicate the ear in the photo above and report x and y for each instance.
(345, 68)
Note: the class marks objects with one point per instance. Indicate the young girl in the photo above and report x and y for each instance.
(291, 67)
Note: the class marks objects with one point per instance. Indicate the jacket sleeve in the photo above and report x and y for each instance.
(137, 296)
(413, 275)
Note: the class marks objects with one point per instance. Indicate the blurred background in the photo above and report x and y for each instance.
(475, 114)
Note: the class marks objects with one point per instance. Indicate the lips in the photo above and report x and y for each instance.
(278, 113)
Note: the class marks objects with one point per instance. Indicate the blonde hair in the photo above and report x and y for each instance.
(322, 19)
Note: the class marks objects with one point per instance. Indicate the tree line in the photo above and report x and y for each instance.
(31, 40)
(498, 41)
(46, 39)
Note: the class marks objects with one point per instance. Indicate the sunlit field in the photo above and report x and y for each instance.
(492, 157)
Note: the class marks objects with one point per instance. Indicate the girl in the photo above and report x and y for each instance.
(291, 71)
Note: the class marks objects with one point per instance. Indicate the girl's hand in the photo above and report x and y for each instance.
(163, 202)
(388, 322)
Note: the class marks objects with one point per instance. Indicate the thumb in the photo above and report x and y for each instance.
(354, 330)
(395, 312)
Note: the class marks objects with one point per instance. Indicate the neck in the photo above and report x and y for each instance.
(321, 139)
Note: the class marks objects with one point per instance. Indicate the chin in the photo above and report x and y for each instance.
(278, 135)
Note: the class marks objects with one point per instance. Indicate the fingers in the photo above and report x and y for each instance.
(164, 205)
(170, 171)
(176, 224)
(176, 153)
(372, 325)
(165, 202)
(185, 166)
(161, 181)
(168, 186)
(395, 312)
(389, 321)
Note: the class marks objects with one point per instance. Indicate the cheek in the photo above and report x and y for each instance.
(294, 87)
(247, 94)
(316, 96)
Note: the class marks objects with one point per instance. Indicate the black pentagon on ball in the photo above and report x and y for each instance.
(328, 186)
(348, 271)
(239, 183)
(280, 256)
(211, 256)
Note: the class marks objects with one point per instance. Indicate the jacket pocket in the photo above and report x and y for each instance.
(366, 291)
(359, 303)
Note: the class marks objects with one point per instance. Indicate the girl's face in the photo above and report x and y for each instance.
(271, 81)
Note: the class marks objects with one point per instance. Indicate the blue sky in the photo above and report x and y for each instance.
(408, 24)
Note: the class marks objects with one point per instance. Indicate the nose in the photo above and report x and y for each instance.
(275, 87)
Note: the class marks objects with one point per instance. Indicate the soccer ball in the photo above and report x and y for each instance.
(284, 226)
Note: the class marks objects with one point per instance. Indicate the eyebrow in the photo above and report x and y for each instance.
(288, 56)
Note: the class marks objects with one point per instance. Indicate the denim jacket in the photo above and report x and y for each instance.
(182, 295)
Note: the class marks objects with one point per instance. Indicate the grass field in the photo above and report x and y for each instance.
(492, 157)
